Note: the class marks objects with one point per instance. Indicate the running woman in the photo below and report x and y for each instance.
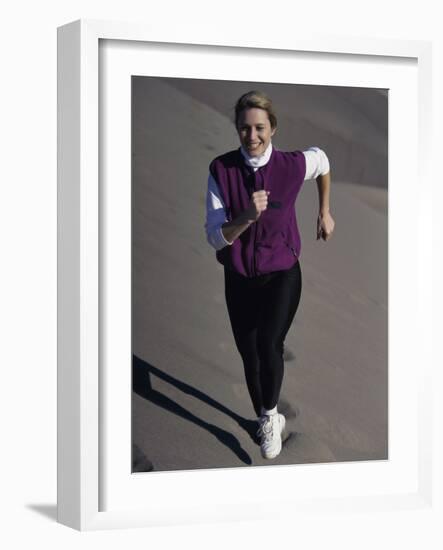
(251, 223)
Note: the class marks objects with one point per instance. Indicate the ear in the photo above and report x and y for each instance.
(273, 131)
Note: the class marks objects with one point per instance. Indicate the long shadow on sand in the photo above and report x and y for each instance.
(141, 384)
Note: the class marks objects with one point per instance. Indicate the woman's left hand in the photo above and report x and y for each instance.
(325, 226)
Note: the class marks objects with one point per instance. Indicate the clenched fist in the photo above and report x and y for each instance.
(258, 204)
(325, 226)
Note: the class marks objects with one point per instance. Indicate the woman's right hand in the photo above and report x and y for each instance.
(258, 204)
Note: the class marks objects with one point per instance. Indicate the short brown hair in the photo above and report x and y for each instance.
(258, 100)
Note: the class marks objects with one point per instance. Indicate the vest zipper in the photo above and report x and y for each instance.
(256, 230)
(254, 250)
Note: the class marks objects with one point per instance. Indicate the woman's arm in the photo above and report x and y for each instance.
(219, 231)
(325, 222)
(317, 167)
(216, 216)
(258, 204)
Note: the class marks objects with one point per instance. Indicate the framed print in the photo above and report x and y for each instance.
(155, 422)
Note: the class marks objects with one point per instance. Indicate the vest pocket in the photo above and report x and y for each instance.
(274, 253)
(289, 245)
(292, 249)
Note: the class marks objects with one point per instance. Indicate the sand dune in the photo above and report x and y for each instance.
(190, 405)
(349, 123)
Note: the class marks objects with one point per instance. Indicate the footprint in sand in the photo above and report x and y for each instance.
(289, 355)
(290, 410)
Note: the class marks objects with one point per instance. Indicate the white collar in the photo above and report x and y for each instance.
(261, 160)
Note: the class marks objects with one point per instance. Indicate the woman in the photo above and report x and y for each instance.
(252, 225)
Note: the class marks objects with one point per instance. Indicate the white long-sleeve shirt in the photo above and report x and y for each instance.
(317, 164)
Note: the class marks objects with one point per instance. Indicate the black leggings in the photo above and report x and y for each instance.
(261, 310)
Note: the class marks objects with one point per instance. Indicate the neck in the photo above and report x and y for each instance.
(259, 160)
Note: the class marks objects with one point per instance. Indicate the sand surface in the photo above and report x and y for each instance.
(190, 404)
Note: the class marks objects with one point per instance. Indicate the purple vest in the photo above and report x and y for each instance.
(272, 243)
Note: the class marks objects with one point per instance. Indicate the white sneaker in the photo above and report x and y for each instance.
(270, 433)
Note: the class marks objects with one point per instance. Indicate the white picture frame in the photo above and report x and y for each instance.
(80, 367)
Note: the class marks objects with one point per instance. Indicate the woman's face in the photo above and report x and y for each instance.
(254, 130)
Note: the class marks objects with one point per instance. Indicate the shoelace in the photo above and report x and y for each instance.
(266, 429)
